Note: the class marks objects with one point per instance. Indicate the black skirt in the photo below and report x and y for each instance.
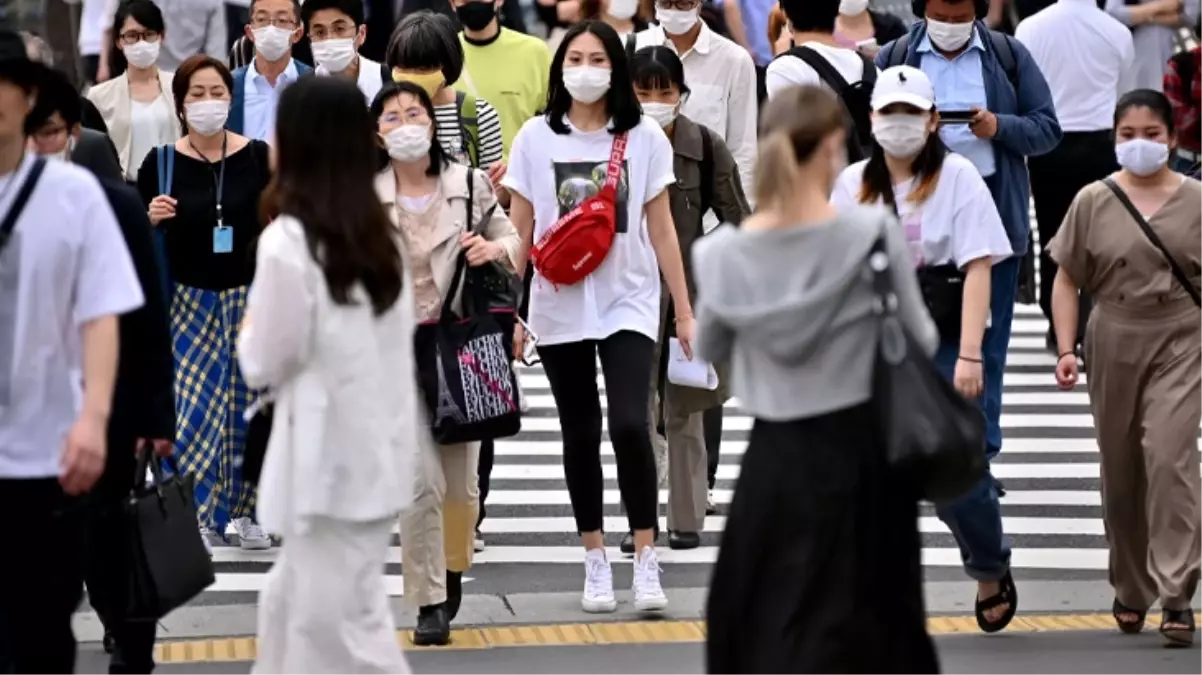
(820, 569)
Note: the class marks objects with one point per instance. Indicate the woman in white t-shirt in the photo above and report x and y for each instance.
(556, 162)
(955, 235)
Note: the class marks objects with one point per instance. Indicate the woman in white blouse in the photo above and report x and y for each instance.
(138, 107)
(955, 236)
(329, 329)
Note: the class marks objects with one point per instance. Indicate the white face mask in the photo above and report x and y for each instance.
(207, 117)
(623, 9)
(272, 42)
(1141, 156)
(335, 55)
(675, 21)
(852, 7)
(141, 54)
(949, 36)
(587, 84)
(663, 113)
(901, 136)
(408, 142)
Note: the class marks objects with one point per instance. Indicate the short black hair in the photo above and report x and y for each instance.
(296, 8)
(426, 41)
(919, 7)
(658, 67)
(811, 16)
(1151, 99)
(390, 90)
(145, 13)
(55, 95)
(351, 8)
(620, 101)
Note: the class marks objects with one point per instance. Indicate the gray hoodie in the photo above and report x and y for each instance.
(792, 311)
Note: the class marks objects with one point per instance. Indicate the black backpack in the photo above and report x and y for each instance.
(856, 98)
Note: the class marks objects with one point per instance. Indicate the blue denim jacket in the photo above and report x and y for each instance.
(1026, 126)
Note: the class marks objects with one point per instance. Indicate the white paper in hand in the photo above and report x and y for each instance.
(685, 373)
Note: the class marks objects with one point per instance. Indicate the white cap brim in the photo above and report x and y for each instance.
(902, 97)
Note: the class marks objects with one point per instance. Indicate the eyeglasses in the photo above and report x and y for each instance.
(341, 29)
(133, 37)
(263, 20)
(50, 131)
(409, 116)
(681, 5)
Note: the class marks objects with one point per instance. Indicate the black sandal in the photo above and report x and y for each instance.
(1128, 627)
(1007, 595)
(1178, 637)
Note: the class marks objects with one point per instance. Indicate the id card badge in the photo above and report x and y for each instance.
(223, 239)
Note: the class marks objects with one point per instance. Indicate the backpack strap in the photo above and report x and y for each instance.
(237, 99)
(466, 106)
(632, 45)
(707, 172)
(1005, 56)
(18, 205)
(897, 51)
(385, 73)
(165, 157)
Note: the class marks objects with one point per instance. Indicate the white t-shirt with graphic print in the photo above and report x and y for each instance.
(958, 223)
(555, 173)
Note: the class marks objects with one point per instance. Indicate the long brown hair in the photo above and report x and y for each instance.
(327, 160)
(926, 167)
(792, 126)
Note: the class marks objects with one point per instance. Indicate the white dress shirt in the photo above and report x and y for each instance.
(260, 100)
(1086, 56)
(721, 78)
(371, 78)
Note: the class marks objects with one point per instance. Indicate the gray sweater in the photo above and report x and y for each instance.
(792, 311)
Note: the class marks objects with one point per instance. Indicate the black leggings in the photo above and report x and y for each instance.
(571, 368)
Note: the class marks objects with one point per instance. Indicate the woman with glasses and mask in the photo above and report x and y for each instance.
(955, 236)
(138, 106)
(433, 203)
(1144, 350)
(206, 202)
(594, 140)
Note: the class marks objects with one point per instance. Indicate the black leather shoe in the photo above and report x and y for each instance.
(627, 545)
(454, 594)
(433, 626)
(682, 541)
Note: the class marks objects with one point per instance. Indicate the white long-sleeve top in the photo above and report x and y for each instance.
(346, 429)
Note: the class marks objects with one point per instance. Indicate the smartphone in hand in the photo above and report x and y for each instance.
(955, 117)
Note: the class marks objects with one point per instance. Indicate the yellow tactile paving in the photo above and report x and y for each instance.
(615, 633)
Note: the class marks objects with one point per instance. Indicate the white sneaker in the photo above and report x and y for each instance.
(709, 503)
(250, 535)
(478, 542)
(206, 536)
(598, 584)
(648, 594)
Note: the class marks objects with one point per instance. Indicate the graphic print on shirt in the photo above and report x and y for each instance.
(10, 273)
(911, 222)
(577, 181)
(487, 387)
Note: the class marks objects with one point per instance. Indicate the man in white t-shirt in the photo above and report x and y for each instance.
(65, 277)
(816, 59)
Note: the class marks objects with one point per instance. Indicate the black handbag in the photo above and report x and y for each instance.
(465, 363)
(490, 287)
(168, 563)
(934, 438)
(943, 293)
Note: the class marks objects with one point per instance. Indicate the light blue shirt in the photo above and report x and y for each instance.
(960, 85)
(260, 101)
(755, 25)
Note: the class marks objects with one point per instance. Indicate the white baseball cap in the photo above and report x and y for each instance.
(903, 84)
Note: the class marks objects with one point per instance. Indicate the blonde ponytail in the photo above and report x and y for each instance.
(775, 170)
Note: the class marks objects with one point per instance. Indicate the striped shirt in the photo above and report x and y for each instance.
(488, 128)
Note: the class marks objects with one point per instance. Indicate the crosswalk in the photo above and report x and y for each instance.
(1052, 510)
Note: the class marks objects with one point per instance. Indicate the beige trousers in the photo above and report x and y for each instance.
(438, 529)
(683, 453)
(1145, 391)
(324, 608)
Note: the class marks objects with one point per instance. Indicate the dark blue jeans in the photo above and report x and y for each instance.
(975, 518)
(1004, 287)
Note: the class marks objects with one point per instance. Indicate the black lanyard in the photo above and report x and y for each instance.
(219, 177)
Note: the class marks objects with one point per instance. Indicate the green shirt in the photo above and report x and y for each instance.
(511, 73)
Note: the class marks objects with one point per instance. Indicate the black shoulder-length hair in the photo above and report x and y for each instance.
(620, 101)
(144, 12)
(926, 167)
(325, 176)
(658, 67)
(391, 90)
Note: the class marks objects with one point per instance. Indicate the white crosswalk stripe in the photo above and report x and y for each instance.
(1049, 463)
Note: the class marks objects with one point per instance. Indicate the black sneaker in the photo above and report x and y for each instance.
(433, 626)
(627, 545)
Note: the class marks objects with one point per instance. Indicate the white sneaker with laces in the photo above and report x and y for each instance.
(598, 584)
(251, 535)
(648, 594)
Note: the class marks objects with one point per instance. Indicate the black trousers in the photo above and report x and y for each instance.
(106, 550)
(1056, 178)
(571, 368)
(41, 584)
(712, 421)
(484, 474)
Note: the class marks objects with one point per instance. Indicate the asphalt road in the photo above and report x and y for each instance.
(1066, 652)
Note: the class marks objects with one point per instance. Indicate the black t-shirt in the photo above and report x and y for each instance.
(190, 255)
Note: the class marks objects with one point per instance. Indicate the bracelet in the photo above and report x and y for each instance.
(970, 360)
(1061, 357)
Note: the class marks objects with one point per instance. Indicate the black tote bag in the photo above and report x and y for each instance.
(933, 436)
(168, 563)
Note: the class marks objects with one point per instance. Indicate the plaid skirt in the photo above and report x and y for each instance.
(211, 398)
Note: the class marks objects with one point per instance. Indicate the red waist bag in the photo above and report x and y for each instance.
(580, 240)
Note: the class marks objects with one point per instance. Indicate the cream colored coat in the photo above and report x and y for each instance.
(112, 100)
(347, 421)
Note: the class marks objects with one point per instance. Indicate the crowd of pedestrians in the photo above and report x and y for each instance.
(299, 250)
